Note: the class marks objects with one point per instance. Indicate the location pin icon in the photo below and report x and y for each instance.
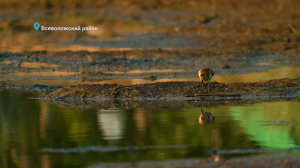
(36, 26)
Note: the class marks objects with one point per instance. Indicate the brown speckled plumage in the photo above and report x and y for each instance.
(205, 75)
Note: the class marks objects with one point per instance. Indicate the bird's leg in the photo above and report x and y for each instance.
(208, 86)
(202, 84)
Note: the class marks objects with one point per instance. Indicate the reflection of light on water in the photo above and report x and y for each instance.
(55, 82)
(148, 71)
(284, 72)
(264, 63)
(111, 122)
(46, 161)
(43, 119)
(46, 73)
(6, 62)
(66, 82)
(109, 149)
(141, 120)
(38, 65)
(32, 42)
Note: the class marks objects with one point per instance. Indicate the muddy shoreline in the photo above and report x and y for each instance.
(239, 37)
(159, 104)
(180, 90)
(153, 103)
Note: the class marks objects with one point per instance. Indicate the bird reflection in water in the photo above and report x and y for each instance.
(206, 117)
(216, 157)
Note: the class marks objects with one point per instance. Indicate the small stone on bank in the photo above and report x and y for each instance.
(225, 66)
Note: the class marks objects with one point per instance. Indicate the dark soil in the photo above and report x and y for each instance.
(185, 90)
(159, 105)
(156, 35)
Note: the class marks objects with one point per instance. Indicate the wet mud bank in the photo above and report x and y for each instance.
(36, 87)
(108, 65)
(159, 105)
(179, 91)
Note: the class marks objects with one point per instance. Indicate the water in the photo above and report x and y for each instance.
(283, 72)
(36, 133)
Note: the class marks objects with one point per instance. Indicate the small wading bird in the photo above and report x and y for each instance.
(205, 75)
(206, 117)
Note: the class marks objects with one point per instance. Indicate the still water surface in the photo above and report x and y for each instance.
(35, 133)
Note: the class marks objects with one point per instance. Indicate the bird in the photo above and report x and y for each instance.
(205, 75)
(206, 117)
